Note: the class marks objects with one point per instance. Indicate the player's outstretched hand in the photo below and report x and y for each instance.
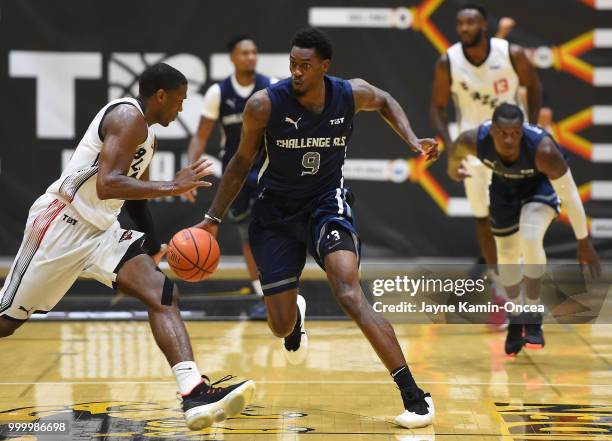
(157, 257)
(588, 256)
(460, 173)
(189, 178)
(209, 225)
(430, 148)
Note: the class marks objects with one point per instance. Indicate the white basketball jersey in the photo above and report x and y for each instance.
(77, 184)
(477, 90)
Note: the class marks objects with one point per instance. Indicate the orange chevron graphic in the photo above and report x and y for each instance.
(419, 173)
(565, 57)
(422, 23)
(590, 3)
(565, 133)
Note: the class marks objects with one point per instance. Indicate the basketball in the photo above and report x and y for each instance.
(193, 254)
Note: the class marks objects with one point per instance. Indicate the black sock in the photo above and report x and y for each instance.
(292, 341)
(404, 380)
(298, 319)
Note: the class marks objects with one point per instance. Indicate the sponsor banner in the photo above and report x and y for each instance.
(57, 70)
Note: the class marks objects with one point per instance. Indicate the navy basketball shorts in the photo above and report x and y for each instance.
(507, 200)
(283, 230)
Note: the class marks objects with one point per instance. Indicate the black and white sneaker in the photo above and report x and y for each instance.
(419, 409)
(534, 336)
(207, 404)
(295, 345)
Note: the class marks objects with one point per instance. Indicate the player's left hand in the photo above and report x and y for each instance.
(157, 257)
(430, 148)
(588, 256)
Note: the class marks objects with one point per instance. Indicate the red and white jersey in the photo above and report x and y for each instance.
(477, 90)
(77, 184)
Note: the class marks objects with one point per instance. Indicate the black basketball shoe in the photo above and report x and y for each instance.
(534, 336)
(514, 338)
(206, 403)
(295, 345)
(419, 409)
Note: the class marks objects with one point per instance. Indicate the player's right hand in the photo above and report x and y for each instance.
(209, 225)
(458, 173)
(189, 178)
(589, 257)
(430, 148)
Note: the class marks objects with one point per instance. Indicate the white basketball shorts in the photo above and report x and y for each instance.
(59, 246)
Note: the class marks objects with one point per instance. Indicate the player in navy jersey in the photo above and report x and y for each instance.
(306, 123)
(224, 103)
(530, 174)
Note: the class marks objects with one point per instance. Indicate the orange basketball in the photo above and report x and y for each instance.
(193, 254)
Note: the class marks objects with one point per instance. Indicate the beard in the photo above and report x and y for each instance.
(297, 92)
(474, 41)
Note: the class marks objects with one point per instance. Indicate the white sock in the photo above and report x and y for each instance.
(257, 287)
(187, 376)
(517, 301)
(529, 301)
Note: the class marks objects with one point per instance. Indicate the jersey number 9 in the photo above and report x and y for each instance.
(311, 162)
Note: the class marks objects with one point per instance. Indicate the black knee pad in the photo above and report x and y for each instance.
(167, 292)
(336, 238)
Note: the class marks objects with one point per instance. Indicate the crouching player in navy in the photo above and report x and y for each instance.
(530, 175)
(306, 123)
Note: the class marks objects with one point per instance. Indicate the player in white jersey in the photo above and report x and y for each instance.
(72, 230)
(479, 73)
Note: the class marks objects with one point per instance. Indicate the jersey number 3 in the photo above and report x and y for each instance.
(311, 162)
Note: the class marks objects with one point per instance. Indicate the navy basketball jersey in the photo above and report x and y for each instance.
(230, 115)
(305, 151)
(523, 169)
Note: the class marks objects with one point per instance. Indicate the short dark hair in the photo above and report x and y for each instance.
(159, 76)
(482, 11)
(231, 44)
(508, 111)
(313, 38)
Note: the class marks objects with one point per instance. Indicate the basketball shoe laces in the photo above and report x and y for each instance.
(211, 386)
(414, 401)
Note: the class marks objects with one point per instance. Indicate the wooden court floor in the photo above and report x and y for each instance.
(108, 381)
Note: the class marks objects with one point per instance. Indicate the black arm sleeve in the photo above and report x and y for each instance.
(138, 211)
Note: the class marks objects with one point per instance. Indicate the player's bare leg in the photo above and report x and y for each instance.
(139, 278)
(342, 272)
(282, 312)
(203, 403)
(286, 316)
(343, 276)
